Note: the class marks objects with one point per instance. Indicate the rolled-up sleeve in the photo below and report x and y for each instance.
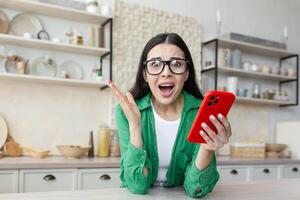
(198, 183)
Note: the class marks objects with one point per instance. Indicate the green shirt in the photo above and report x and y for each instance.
(181, 170)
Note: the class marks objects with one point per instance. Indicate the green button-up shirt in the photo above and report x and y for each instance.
(181, 170)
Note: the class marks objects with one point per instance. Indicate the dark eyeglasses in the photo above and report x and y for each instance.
(156, 66)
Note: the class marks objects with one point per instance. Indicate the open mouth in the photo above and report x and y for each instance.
(166, 89)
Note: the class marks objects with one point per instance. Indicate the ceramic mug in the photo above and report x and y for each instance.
(232, 82)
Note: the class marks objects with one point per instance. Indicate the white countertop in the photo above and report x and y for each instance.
(266, 190)
(27, 162)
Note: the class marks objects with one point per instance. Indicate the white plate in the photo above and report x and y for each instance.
(3, 132)
(25, 23)
(73, 69)
(40, 68)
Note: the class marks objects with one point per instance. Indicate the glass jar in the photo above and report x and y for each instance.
(115, 146)
(103, 141)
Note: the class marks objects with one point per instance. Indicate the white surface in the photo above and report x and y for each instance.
(266, 190)
(289, 133)
(3, 132)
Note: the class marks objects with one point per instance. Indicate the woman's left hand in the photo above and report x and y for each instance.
(215, 140)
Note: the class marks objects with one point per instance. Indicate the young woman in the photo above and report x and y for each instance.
(154, 118)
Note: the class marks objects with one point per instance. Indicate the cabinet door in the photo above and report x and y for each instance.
(48, 180)
(8, 181)
(291, 171)
(233, 174)
(98, 178)
(265, 173)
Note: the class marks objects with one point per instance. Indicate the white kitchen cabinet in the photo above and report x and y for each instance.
(98, 178)
(234, 173)
(9, 181)
(36, 180)
(265, 173)
(290, 171)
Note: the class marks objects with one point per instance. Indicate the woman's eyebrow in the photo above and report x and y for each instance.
(176, 58)
(155, 58)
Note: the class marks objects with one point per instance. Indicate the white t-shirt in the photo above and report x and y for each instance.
(166, 132)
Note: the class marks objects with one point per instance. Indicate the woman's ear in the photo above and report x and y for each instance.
(187, 75)
(145, 76)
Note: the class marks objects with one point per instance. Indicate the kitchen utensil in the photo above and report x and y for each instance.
(3, 132)
(290, 72)
(4, 22)
(242, 92)
(43, 35)
(72, 69)
(11, 65)
(269, 94)
(236, 58)
(25, 23)
(275, 147)
(246, 65)
(43, 66)
(265, 69)
(286, 133)
(12, 148)
(72, 151)
(34, 152)
(256, 90)
(232, 82)
(255, 68)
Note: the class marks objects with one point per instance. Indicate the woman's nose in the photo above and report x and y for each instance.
(166, 71)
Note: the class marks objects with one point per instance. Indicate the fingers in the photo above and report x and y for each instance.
(225, 123)
(206, 138)
(211, 134)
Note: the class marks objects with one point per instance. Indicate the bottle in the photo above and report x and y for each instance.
(103, 141)
(115, 146)
(91, 143)
(91, 41)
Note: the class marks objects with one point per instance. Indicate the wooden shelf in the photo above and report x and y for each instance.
(59, 81)
(261, 101)
(49, 45)
(253, 48)
(53, 11)
(241, 72)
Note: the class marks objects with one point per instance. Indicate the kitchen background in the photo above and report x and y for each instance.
(44, 115)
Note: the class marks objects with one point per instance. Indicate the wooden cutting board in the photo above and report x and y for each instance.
(289, 133)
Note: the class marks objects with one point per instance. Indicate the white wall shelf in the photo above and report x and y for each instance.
(59, 81)
(53, 11)
(253, 48)
(49, 45)
(241, 72)
(261, 101)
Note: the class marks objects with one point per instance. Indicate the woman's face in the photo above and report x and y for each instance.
(166, 86)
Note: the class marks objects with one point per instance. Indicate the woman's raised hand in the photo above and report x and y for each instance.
(128, 105)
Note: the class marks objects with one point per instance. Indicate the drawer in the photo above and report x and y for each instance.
(47, 180)
(291, 171)
(9, 181)
(98, 178)
(265, 173)
(233, 174)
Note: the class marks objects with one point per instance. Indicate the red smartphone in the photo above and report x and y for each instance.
(214, 102)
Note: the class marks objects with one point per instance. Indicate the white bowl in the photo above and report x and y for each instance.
(73, 151)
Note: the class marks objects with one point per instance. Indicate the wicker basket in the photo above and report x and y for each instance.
(248, 150)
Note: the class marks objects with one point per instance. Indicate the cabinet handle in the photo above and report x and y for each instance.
(266, 171)
(234, 172)
(49, 177)
(105, 177)
(295, 169)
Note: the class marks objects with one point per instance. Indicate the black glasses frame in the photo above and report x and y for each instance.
(166, 62)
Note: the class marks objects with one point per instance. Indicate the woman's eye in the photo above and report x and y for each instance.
(154, 63)
(176, 63)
